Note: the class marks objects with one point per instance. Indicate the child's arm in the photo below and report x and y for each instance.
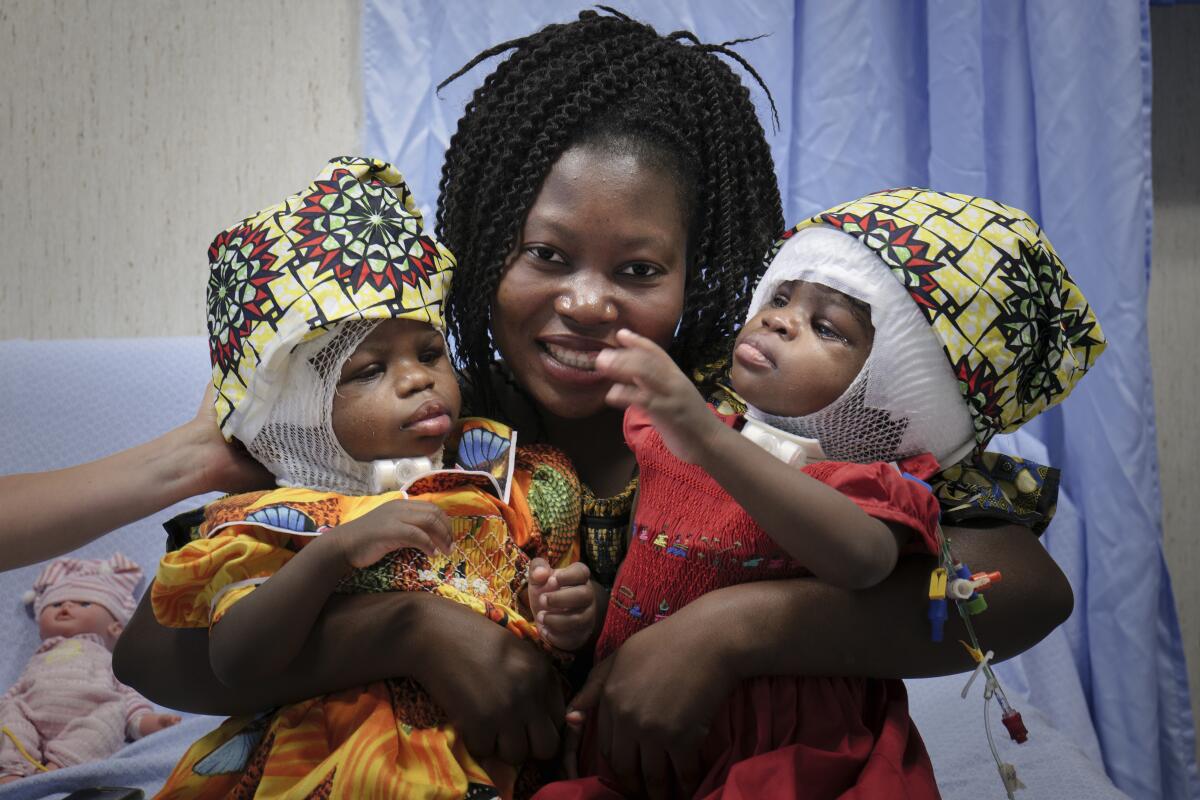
(814, 523)
(564, 603)
(262, 634)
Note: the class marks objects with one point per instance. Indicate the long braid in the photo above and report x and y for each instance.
(608, 76)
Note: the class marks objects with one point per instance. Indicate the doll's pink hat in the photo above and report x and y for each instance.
(106, 582)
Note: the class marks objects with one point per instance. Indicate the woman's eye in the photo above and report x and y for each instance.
(542, 253)
(641, 270)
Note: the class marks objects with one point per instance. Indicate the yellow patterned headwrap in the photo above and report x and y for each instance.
(1018, 332)
(349, 246)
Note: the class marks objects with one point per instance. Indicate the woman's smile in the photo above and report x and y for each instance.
(603, 248)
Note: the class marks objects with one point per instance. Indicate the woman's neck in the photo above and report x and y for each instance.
(595, 444)
(596, 447)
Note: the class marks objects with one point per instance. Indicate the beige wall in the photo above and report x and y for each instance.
(131, 132)
(130, 135)
(1175, 307)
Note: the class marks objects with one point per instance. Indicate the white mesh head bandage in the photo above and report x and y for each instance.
(906, 399)
(297, 443)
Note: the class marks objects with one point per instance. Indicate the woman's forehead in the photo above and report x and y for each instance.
(588, 187)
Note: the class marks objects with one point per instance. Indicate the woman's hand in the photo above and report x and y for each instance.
(49, 513)
(501, 693)
(654, 701)
(223, 466)
(643, 375)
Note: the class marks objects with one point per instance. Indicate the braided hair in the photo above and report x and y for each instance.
(609, 81)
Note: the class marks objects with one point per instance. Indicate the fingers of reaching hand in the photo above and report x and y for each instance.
(642, 363)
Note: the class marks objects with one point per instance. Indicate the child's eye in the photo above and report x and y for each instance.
(366, 373)
(827, 331)
(641, 269)
(431, 355)
(779, 301)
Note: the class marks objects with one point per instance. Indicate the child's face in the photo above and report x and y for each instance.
(73, 617)
(802, 351)
(397, 395)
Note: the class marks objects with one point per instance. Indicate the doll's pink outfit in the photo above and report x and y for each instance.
(67, 708)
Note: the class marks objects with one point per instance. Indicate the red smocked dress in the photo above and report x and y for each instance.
(775, 737)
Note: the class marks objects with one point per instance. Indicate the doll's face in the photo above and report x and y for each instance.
(73, 617)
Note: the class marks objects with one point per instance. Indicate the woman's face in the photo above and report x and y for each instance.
(604, 247)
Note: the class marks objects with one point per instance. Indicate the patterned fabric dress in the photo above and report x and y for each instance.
(781, 736)
(387, 739)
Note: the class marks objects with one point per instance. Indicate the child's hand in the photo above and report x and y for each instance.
(155, 722)
(644, 375)
(395, 524)
(563, 603)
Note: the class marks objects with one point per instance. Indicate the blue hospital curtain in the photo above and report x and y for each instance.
(1041, 104)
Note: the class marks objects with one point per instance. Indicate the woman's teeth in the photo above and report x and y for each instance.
(579, 359)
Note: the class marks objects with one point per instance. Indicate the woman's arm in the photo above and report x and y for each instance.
(50, 513)
(498, 690)
(668, 680)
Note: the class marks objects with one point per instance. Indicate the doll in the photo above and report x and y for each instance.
(67, 708)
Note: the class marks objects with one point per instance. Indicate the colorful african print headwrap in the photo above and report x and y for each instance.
(350, 246)
(1017, 330)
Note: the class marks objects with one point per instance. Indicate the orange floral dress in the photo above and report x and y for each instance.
(387, 739)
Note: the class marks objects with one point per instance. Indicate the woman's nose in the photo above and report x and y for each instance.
(587, 302)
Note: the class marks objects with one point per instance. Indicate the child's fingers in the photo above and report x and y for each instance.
(576, 574)
(433, 520)
(625, 364)
(538, 572)
(567, 598)
(426, 516)
(621, 395)
(572, 627)
(627, 338)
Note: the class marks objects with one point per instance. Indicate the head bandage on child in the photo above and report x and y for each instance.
(293, 290)
(978, 326)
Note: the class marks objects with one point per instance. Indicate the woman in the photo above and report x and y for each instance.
(550, 267)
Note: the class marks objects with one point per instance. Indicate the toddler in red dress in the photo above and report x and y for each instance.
(889, 336)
